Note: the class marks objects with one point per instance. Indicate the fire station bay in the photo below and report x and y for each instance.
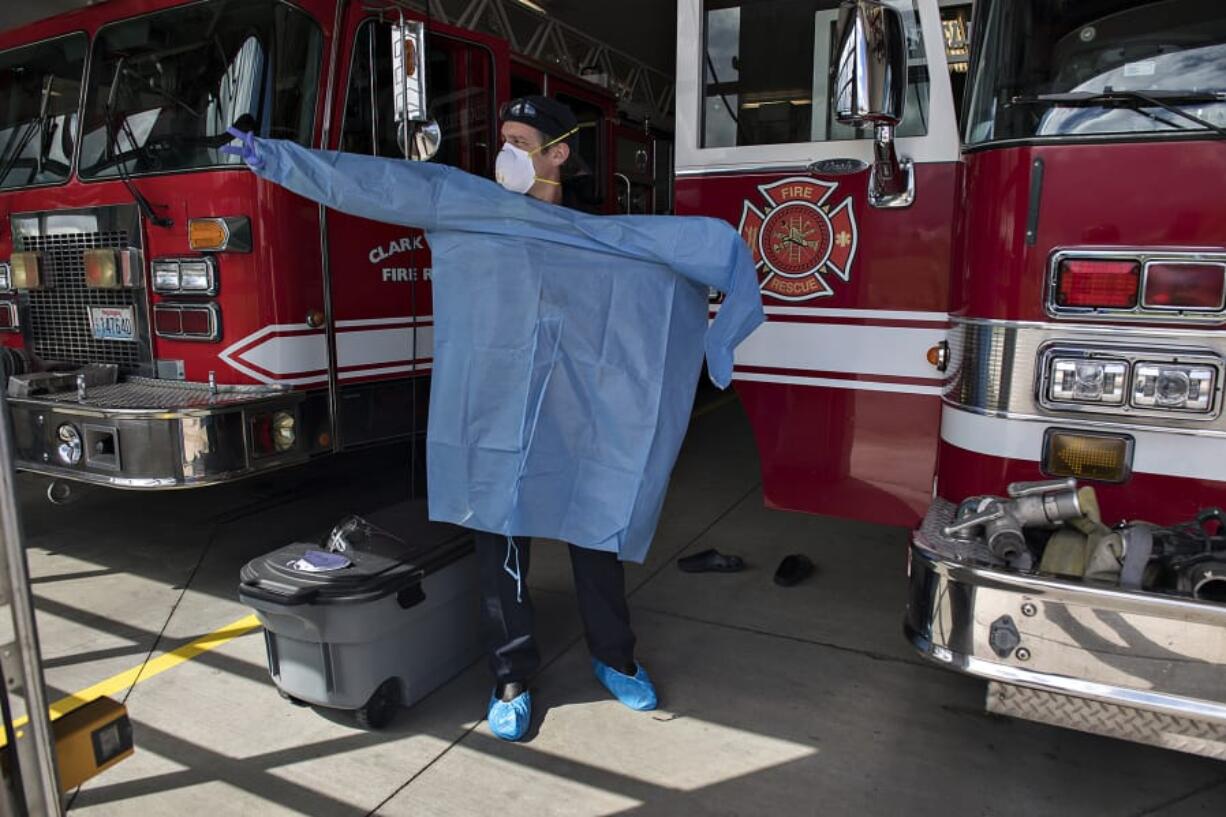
(576, 408)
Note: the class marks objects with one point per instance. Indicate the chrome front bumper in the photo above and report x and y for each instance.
(152, 434)
(1071, 653)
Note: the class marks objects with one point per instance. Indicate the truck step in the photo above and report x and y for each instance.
(1111, 720)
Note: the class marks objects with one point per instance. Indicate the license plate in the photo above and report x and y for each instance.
(113, 322)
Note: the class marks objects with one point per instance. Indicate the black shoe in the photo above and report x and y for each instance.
(793, 569)
(711, 561)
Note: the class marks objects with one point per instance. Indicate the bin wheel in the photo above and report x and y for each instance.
(381, 708)
(295, 701)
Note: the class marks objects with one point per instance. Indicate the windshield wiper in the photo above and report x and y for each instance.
(1167, 100)
(149, 85)
(34, 126)
(112, 144)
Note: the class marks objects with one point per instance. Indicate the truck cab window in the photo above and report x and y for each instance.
(36, 143)
(1031, 58)
(164, 87)
(459, 87)
(588, 146)
(767, 73)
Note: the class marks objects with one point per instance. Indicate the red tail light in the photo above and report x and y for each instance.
(1098, 284)
(168, 321)
(1185, 285)
(196, 322)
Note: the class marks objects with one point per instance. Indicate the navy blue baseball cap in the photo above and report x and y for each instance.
(549, 116)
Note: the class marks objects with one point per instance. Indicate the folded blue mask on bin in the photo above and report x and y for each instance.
(567, 345)
(320, 561)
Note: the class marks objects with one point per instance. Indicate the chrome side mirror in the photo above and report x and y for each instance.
(419, 136)
(870, 87)
(425, 139)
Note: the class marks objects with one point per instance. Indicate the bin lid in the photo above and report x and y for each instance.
(379, 563)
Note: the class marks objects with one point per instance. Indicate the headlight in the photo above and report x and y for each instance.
(166, 276)
(25, 270)
(196, 276)
(1078, 380)
(186, 276)
(1185, 388)
(6, 278)
(101, 268)
(69, 449)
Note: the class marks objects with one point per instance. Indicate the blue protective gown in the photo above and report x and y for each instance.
(567, 345)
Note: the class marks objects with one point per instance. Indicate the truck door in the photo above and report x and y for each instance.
(844, 404)
(380, 273)
(591, 145)
(635, 160)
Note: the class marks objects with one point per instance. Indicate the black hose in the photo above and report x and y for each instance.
(1211, 588)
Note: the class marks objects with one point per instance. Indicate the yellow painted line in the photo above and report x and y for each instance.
(718, 403)
(128, 678)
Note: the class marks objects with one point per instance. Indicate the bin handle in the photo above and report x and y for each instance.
(301, 596)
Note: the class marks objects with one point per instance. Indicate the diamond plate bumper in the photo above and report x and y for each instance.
(151, 434)
(1124, 722)
(1074, 654)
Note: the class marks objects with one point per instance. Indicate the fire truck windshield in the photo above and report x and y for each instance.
(1048, 70)
(163, 88)
(40, 90)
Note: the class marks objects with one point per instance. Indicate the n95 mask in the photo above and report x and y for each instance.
(514, 169)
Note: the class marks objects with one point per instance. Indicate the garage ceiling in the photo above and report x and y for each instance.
(645, 29)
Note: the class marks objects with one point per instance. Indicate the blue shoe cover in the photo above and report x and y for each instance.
(509, 720)
(636, 692)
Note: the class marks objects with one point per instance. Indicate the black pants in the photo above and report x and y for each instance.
(507, 620)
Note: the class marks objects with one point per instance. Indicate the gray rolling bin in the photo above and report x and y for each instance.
(381, 633)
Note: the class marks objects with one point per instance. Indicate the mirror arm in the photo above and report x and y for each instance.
(885, 159)
(892, 181)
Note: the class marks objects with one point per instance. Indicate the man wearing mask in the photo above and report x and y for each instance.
(536, 131)
(537, 158)
(566, 352)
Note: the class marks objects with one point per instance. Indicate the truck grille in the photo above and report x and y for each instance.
(56, 319)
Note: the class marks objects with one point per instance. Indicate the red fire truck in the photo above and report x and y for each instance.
(168, 320)
(969, 324)
(961, 315)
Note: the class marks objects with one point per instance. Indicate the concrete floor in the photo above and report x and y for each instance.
(799, 701)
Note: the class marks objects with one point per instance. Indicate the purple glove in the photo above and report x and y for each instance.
(247, 151)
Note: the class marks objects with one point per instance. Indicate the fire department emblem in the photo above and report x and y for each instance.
(801, 241)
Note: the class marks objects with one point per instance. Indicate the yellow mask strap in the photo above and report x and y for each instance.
(553, 142)
(549, 144)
